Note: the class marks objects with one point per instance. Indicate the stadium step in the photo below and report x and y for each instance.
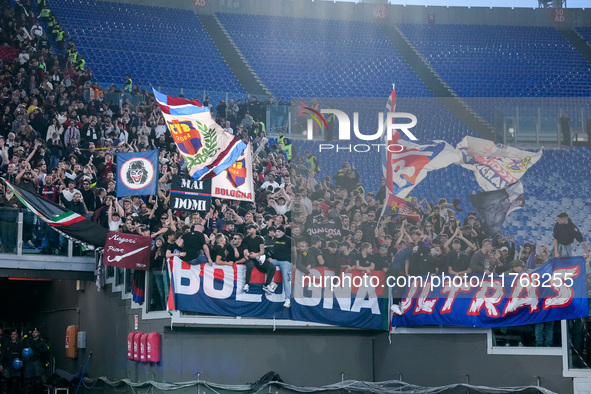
(578, 42)
(435, 83)
(235, 60)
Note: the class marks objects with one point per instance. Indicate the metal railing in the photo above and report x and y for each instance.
(32, 236)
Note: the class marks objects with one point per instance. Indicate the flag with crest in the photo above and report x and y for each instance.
(205, 146)
(236, 182)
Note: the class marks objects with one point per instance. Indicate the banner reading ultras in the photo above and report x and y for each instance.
(218, 290)
(554, 291)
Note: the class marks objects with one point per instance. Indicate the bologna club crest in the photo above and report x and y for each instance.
(237, 173)
(186, 136)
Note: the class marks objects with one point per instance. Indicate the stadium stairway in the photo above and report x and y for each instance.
(435, 83)
(578, 42)
(236, 61)
(118, 288)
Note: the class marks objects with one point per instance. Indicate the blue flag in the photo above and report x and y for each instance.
(137, 173)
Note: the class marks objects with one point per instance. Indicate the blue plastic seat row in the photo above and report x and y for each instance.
(158, 46)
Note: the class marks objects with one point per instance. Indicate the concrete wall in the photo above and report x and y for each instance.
(394, 13)
(399, 14)
(299, 356)
(436, 360)
(222, 355)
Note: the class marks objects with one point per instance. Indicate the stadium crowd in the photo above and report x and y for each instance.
(59, 141)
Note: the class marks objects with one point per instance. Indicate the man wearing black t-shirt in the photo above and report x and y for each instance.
(269, 240)
(281, 258)
(236, 249)
(302, 257)
(175, 248)
(458, 262)
(255, 251)
(331, 258)
(364, 260)
(346, 255)
(219, 255)
(194, 245)
(419, 252)
(565, 233)
(479, 263)
(384, 259)
(316, 259)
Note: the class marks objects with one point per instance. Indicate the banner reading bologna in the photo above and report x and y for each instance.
(236, 182)
(357, 302)
(554, 291)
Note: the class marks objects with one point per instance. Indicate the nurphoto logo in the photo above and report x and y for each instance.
(390, 126)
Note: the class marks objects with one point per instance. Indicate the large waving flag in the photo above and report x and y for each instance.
(206, 147)
(413, 163)
(495, 166)
(70, 224)
(386, 155)
(494, 206)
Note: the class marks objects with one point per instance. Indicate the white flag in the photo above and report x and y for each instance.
(236, 182)
(206, 148)
(495, 166)
(413, 163)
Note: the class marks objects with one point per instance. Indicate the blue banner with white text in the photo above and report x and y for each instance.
(354, 300)
(555, 290)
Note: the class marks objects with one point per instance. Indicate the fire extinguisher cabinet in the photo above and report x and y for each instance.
(136, 346)
(71, 338)
(153, 347)
(130, 345)
(143, 347)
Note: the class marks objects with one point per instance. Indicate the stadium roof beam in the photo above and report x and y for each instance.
(552, 3)
(45, 267)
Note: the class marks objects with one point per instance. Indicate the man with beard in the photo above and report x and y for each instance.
(76, 205)
(26, 179)
(317, 215)
(236, 249)
(248, 220)
(315, 252)
(50, 190)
